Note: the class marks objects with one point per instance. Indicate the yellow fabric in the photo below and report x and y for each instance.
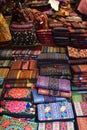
(4, 30)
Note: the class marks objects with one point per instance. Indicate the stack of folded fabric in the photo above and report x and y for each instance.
(61, 36)
(79, 81)
(45, 37)
(78, 34)
(26, 69)
(53, 63)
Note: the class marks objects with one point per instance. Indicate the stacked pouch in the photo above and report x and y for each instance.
(78, 36)
(53, 86)
(77, 55)
(17, 108)
(45, 37)
(82, 123)
(45, 59)
(56, 125)
(8, 122)
(37, 98)
(61, 36)
(79, 76)
(80, 109)
(47, 49)
(17, 94)
(55, 111)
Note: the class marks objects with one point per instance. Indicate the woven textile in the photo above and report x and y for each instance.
(54, 93)
(3, 72)
(55, 111)
(82, 123)
(8, 122)
(41, 98)
(53, 83)
(80, 108)
(56, 126)
(18, 108)
(17, 93)
(78, 97)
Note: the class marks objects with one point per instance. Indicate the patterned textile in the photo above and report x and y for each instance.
(79, 97)
(4, 30)
(82, 123)
(80, 108)
(55, 111)
(46, 58)
(3, 72)
(23, 34)
(22, 74)
(8, 122)
(45, 37)
(47, 49)
(77, 53)
(54, 93)
(6, 54)
(78, 87)
(18, 108)
(41, 98)
(19, 84)
(60, 69)
(5, 63)
(53, 83)
(24, 65)
(56, 126)
(17, 93)
(79, 68)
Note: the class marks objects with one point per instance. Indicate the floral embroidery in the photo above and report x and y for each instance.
(18, 93)
(16, 106)
(6, 123)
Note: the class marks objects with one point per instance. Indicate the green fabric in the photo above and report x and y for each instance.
(76, 97)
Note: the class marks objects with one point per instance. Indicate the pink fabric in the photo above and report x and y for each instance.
(82, 8)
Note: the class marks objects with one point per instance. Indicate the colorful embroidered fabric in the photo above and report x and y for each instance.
(79, 97)
(82, 123)
(53, 83)
(54, 93)
(56, 126)
(11, 123)
(18, 108)
(80, 108)
(17, 93)
(77, 53)
(56, 70)
(41, 98)
(47, 49)
(55, 111)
